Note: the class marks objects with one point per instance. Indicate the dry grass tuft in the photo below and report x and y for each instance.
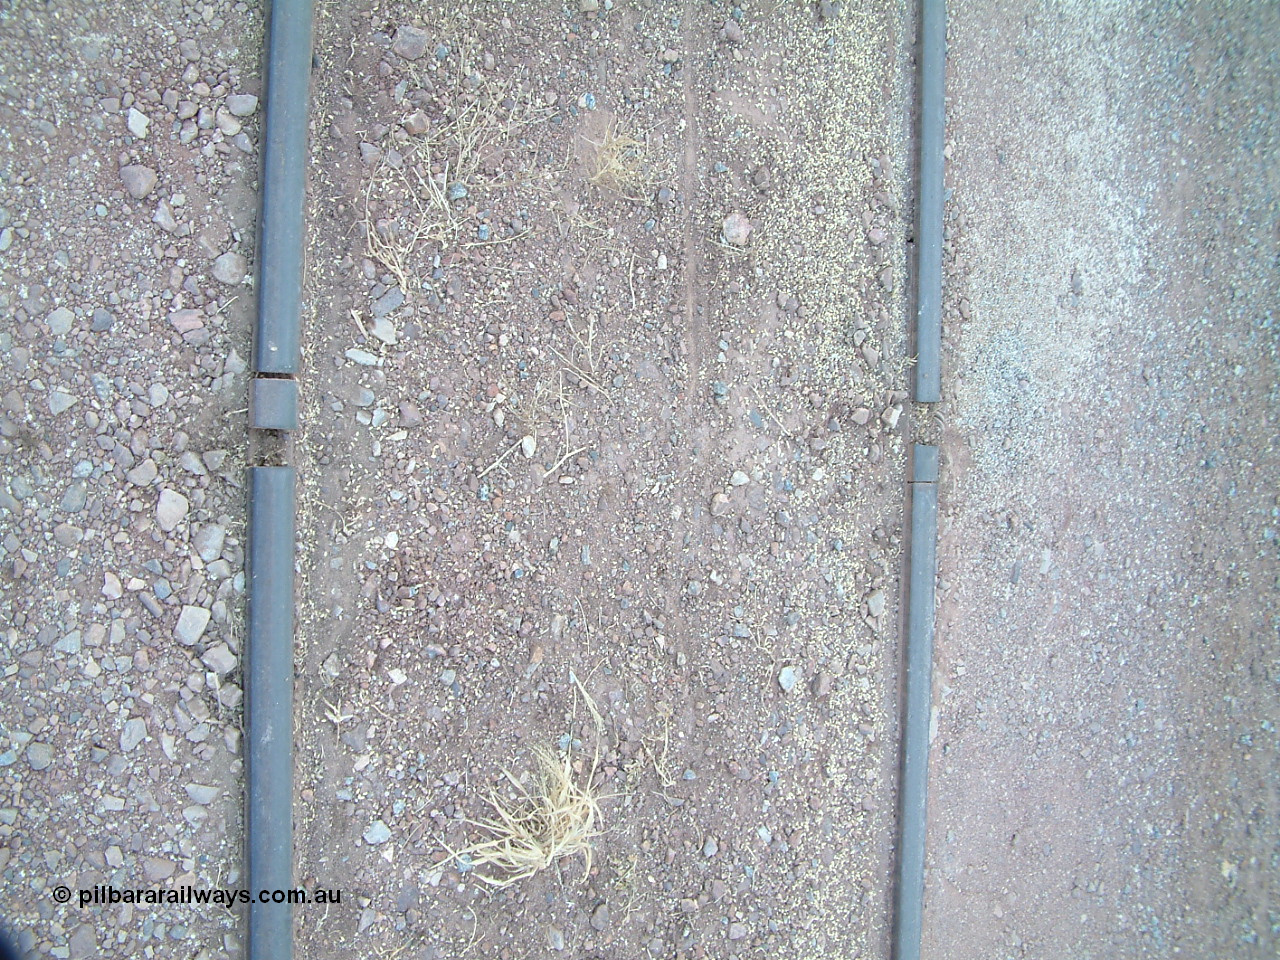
(407, 209)
(618, 164)
(558, 819)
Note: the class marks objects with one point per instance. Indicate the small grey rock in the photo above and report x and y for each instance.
(220, 659)
(230, 268)
(164, 218)
(384, 330)
(171, 509)
(408, 898)
(362, 357)
(208, 541)
(192, 463)
(736, 230)
(710, 848)
(788, 677)
(201, 794)
(875, 603)
(75, 498)
(410, 42)
(67, 535)
(600, 918)
(143, 473)
(242, 104)
(138, 180)
(410, 415)
(70, 644)
(60, 321)
(191, 625)
(102, 320)
(187, 321)
(134, 732)
(416, 124)
(59, 402)
(393, 299)
(137, 122)
(156, 869)
(229, 124)
(739, 479)
(376, 833)
(822, 684)
(39, 755)
(83, 942)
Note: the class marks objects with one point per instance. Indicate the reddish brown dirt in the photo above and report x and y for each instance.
(730, 498)
(1105, 764)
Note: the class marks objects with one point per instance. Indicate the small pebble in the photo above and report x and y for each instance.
(384, 330)
(736, 230)
(410, 42)
(60, 402)
(230, 268)
(39, 755)
(60, 321)
(134, 732)
(191, 625)
(392, 300)
(171, 509)
(242, 104)
(201, 794)
(137, 122)
(220, 659)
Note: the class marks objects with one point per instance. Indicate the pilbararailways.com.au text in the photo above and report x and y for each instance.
(107, 896)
